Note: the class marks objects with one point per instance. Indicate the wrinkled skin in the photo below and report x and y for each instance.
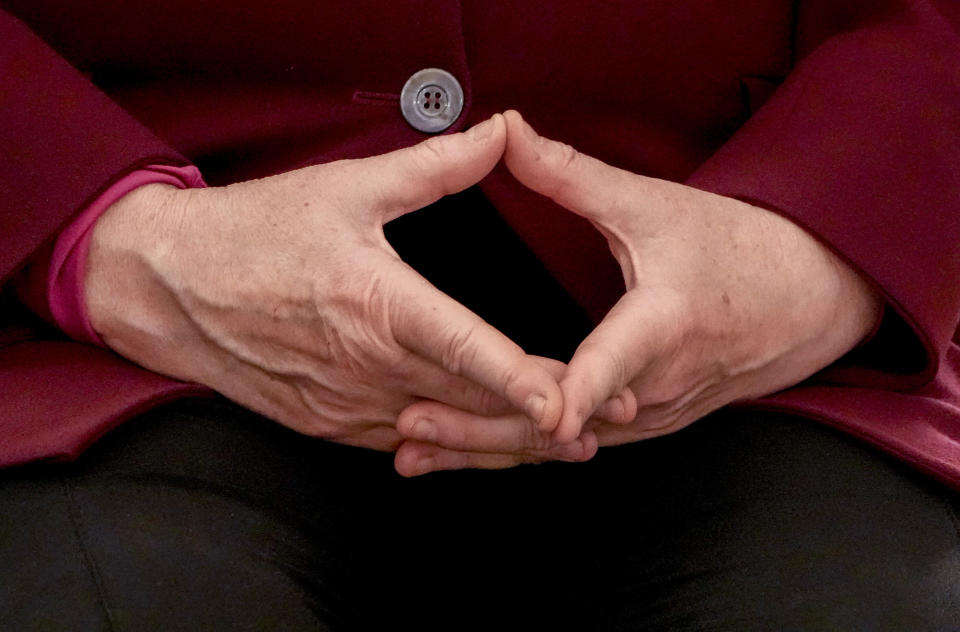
(725, 301)
(283, 295)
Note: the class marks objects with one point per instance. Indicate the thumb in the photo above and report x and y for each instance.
(408, 179)
(578, 182)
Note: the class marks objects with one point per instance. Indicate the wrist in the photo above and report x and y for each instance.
(123, 291)
(860, 304)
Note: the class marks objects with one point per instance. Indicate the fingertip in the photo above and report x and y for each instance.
(414, 459)
(591, 445)
(405, 460)
(630, 406)
(512, 117)
(553, 412)
(568, 430)
(578, 406)
(491, 130)
(611, 411)
(405, 421)
(518, 130)
(500, 131)
(580, 450)
(620, 409)
(413, 413)
(533, 389)
(545, 410)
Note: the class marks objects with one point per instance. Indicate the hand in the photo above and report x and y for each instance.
(283, 295)
(442, 437)
(724, 301)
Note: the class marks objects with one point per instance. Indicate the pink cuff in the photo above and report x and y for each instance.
(65, 279)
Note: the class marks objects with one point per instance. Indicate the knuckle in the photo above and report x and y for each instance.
(534, 441)
(423, 161)
(511, 379)
(487, 401)
(426, 158)
(433, 149)
(460, 350)
(561, 162)
(566, 155)
(398, 368)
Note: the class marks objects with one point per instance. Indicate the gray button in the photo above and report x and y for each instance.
(431, 100)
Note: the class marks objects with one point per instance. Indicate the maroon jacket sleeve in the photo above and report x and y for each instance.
(861, 146)
(62, 141)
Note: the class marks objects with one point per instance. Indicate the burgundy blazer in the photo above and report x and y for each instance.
(842, 116)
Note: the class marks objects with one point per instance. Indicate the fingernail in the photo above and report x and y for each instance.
(535, 406)
(424, 429)
(481, 131)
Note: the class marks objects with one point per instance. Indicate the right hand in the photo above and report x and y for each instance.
(283, 295)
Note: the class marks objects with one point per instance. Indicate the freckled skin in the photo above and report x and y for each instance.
(724, 301)
(308, 316)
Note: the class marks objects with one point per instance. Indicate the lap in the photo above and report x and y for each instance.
(203, 516)
(763, 521)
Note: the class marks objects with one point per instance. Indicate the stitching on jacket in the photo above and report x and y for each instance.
(467, 79)
(73, 511)
(375, 98)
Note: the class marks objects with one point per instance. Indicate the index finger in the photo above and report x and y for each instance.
(633, 337)
(435, 326)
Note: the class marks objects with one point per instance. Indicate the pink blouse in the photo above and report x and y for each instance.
(65, 272)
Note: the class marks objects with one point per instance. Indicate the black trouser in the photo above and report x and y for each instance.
(202, 516)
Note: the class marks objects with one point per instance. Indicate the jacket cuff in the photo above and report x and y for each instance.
(64, 143)
(52, 284)
(859, 147)
(66, 271)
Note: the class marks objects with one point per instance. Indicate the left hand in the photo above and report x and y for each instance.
(725, 301)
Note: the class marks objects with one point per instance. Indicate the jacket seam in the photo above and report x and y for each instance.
(76, 521)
